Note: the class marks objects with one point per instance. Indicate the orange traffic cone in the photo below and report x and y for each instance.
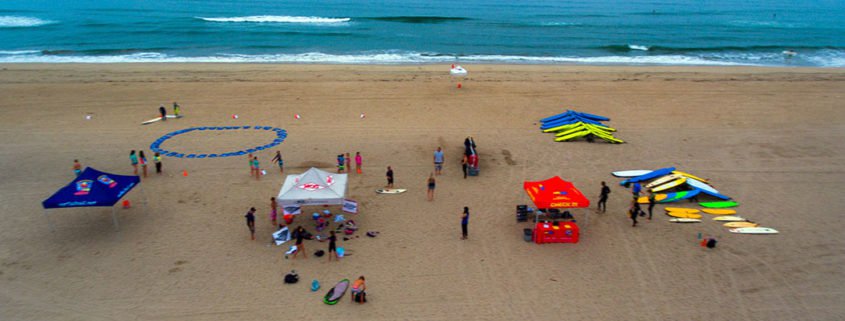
(185, 173)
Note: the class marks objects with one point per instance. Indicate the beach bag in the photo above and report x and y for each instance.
(291, 278)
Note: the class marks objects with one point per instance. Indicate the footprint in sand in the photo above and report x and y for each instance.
(508, 158)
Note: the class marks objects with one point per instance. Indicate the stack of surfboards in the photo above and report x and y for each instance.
(572, 124)
(681, 184)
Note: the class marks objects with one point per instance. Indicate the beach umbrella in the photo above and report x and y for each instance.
(555, 193)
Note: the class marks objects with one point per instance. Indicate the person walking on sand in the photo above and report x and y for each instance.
(651, 202)
(157, 161)
(634, 211)
(299, 234)
(134, 160)
(358, 161)
(250, 222)
(637, 189)
(163, 112)
(464, 223)
(438, 161)
(465, 165)
(278, 160)
(389, 177)
(77, 167)
(273, 211)
(431, 184)
(332, 247)
(348, 162)
(143, 160)
(176, 110)
(605, 191)
(257, 167)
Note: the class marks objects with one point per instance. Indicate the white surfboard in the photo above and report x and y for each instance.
(390, 190)
(458, 71)
(669, 185)
(701, 185)
(159, 119)
(754, 230)
(631, 173)
(685, 220)
(729, 218)
(663, 180)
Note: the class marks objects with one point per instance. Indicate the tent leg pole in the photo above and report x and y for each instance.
(49, 223)
(114, 219)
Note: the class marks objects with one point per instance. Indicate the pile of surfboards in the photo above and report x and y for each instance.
(677, 186)
(572, 124)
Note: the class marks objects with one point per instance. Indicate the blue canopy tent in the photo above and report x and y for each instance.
(92, 188)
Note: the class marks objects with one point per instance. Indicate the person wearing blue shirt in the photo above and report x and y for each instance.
(637, 189)
(464, 223)
(438, 161)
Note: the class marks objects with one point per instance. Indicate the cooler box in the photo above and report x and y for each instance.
(558, 232)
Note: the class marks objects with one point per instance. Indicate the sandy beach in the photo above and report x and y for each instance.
(769, 137)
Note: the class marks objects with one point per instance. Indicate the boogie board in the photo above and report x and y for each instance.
(684, 220)
(754, 230)
(719, 204)
(336, 293)
(683, 215)
(740, 224)
(714, 211)
(729, 218)
(390, 190)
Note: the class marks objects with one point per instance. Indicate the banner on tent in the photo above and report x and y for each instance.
(292, 210)
(350, 206)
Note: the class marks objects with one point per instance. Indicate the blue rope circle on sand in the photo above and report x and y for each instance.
(155, 146)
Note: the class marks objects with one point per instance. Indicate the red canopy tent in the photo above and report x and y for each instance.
(555, 193)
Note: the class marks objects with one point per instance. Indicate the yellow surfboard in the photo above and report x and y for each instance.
(683, 215)
(657, 198)
(681, 209)
(669, 185)
(690, 176)
(718, 211)
(740, 224)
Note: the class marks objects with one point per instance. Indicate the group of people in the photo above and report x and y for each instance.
(135, 160)
(634, 211)
(344, 163)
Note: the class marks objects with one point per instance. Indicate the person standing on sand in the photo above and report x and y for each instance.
(176, 109)
(163, 112)
(157, 161)
(465, 165)
(389, 177)
(464, 223)
(634, 211)
(332, 247)
(257, 168)
(143, 160)
(340, 163)
(134, 160)
(273, 211)
(348, 163)
(358, 161)
(651, 202)
(300, 236)
(605, 191)
(431, 184)
(77, 167)
(251, 165)
(438, 161)
(278, 160)
(250, 222)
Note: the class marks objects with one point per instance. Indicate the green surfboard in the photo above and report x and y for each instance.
(719, 204)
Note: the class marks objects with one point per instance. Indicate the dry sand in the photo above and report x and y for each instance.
(771, 138)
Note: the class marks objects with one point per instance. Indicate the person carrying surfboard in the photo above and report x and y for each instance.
(163, 112)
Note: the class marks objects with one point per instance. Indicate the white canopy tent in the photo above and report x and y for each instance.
(314, 187)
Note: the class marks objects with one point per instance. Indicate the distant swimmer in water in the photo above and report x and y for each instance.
(789, 53)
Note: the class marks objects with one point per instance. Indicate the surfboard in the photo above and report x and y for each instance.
(573, 135)
(754, 230)
(630, 173)
(390, 190)
(740, 224)
(669, 185)
(159, 119)
(651, 175)
(700, 185)
(677, 196)
(719, 204)
(715, 211)
(336, 293)
(684, 220)
(662, 180)
(688, 175)
(683, 215)
(729, 218)
(716, 195)
(681, 209)
(657, 198)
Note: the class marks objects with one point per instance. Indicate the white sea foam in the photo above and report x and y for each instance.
(638, 47)
(20, 22)
(19, 52)
(278, 19)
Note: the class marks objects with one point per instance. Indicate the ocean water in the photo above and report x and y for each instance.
(603, 32)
